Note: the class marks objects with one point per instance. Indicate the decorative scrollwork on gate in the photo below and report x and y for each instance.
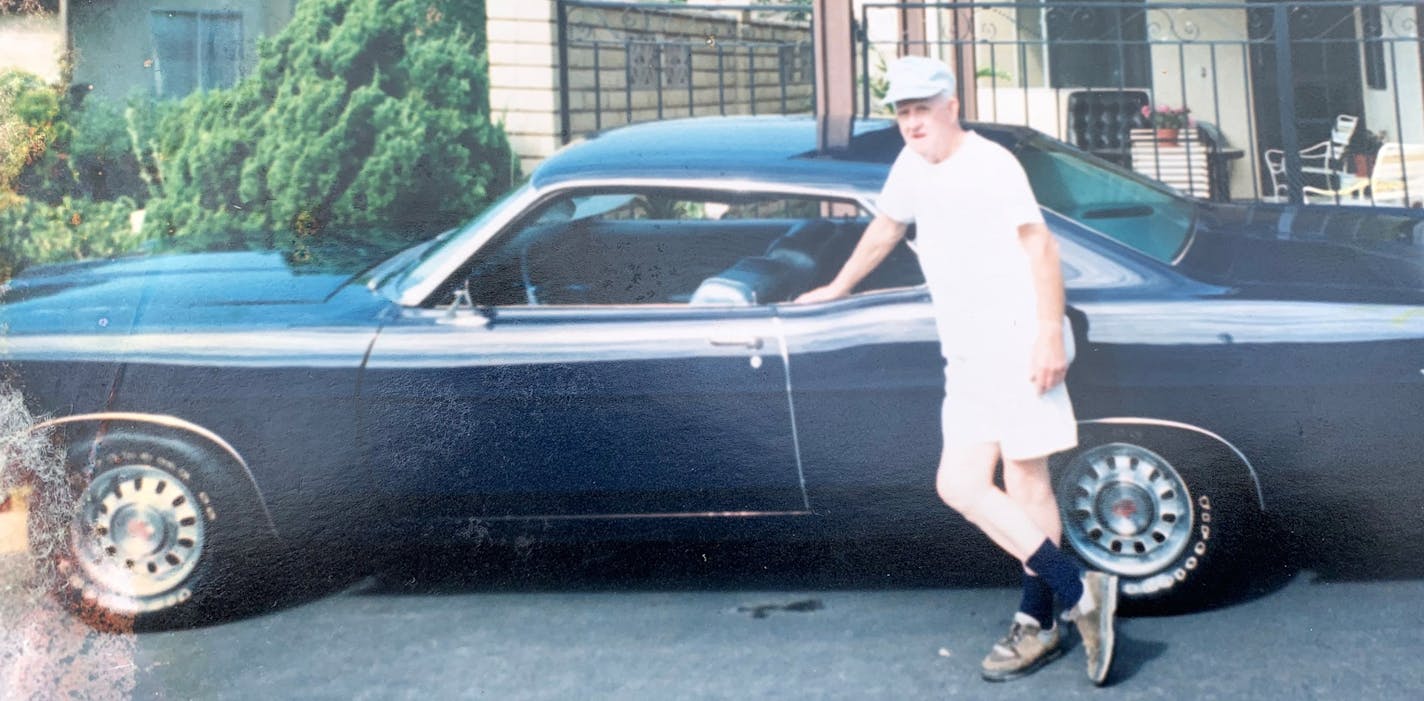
(1401, 20)
(642, 64)
(1164, 26)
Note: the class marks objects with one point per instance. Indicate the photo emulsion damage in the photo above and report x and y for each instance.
(548, 349)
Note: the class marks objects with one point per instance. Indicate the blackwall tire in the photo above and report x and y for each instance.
(162, 532)
(1170, 512)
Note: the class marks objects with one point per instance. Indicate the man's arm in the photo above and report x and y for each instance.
(878, 240)
(1050, 362)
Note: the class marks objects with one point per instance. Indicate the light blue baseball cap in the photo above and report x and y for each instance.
(917, 77)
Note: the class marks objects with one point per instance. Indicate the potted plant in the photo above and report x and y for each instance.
(1168, 121)
(1364, 145)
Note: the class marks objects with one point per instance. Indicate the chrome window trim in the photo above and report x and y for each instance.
(412, 292)
(632, 516)
(1130, 420)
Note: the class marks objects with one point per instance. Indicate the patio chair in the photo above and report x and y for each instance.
(1397, 179)
(1098, 120)
(1325, 159)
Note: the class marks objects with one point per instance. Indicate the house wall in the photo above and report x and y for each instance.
(1199, 59)
(32, 43)
(1404, 79)
(1211, 78)
(114, 45)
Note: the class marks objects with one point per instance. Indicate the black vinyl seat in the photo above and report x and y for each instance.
(751, 280)
(789, 267)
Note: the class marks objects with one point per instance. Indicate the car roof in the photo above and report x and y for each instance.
(766, 149)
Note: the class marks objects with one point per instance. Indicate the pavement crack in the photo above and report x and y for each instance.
(798, 606)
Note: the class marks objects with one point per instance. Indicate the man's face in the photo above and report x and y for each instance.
(927, 124)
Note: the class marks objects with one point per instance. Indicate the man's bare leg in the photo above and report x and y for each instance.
(1028, 484)
(965, 483)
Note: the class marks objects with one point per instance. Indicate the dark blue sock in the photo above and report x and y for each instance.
(1059, 571)
(1037, 600)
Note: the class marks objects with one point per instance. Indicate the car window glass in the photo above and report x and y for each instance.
(1113, 202)
(673, 248)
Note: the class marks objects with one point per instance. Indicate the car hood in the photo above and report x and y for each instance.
(1308, 246)
(169, 290)
(199, 279)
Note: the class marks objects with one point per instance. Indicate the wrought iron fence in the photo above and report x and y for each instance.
(628, 62)
(1266, 82)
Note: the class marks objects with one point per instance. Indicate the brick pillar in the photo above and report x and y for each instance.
(524, 76)
(962, 35)
(912, 29)
(835, 74)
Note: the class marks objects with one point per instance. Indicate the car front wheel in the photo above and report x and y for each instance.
(155, 523)
(1168, 527)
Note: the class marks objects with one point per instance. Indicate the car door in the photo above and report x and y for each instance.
(583, 381)
(867, 381)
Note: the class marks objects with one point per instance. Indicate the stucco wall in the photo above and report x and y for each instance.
(1404, 79)
(114, 44)
(32, 43)
(1211, 78)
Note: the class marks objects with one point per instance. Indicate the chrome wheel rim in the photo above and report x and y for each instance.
(1125, 509)
(138, 534)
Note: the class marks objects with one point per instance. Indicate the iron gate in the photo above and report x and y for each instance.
(1265, 82)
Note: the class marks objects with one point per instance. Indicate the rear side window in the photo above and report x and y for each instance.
(1114, 202)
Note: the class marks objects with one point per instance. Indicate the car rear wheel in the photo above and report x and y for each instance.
(154, 525)
(1169, 527)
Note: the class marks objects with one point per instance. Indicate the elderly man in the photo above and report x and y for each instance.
(993, 273)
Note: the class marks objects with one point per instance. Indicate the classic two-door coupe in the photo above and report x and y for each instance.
(611, 351)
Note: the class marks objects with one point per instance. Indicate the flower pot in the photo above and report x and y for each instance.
(1167, 137)
(1363, 164)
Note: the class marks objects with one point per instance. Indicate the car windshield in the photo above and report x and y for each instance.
(420, 266)
(1133, 210)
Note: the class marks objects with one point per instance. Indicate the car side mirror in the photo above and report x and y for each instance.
(462, 300)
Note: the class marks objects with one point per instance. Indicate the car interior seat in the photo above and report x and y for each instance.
(801, 248)
(790, 266)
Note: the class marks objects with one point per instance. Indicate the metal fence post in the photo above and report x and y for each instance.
(565, 120)
(864, 37)
(1290, 140)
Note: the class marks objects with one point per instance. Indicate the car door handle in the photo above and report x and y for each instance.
(752, 343)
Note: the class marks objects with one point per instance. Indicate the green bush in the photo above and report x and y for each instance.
(34, 232)
(29, 112)
(102, 153)
(362, 116)
(52, 147)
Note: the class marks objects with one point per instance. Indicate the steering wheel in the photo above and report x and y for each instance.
(531, 295)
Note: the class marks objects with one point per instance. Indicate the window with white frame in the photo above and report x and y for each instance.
(195, 50)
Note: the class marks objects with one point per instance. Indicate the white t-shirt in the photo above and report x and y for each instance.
(967, 209)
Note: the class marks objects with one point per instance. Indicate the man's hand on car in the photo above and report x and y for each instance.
(825, 293)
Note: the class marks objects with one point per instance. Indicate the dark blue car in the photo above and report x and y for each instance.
(611, 352)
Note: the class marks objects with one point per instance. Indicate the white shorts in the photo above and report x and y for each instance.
(989, 399)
